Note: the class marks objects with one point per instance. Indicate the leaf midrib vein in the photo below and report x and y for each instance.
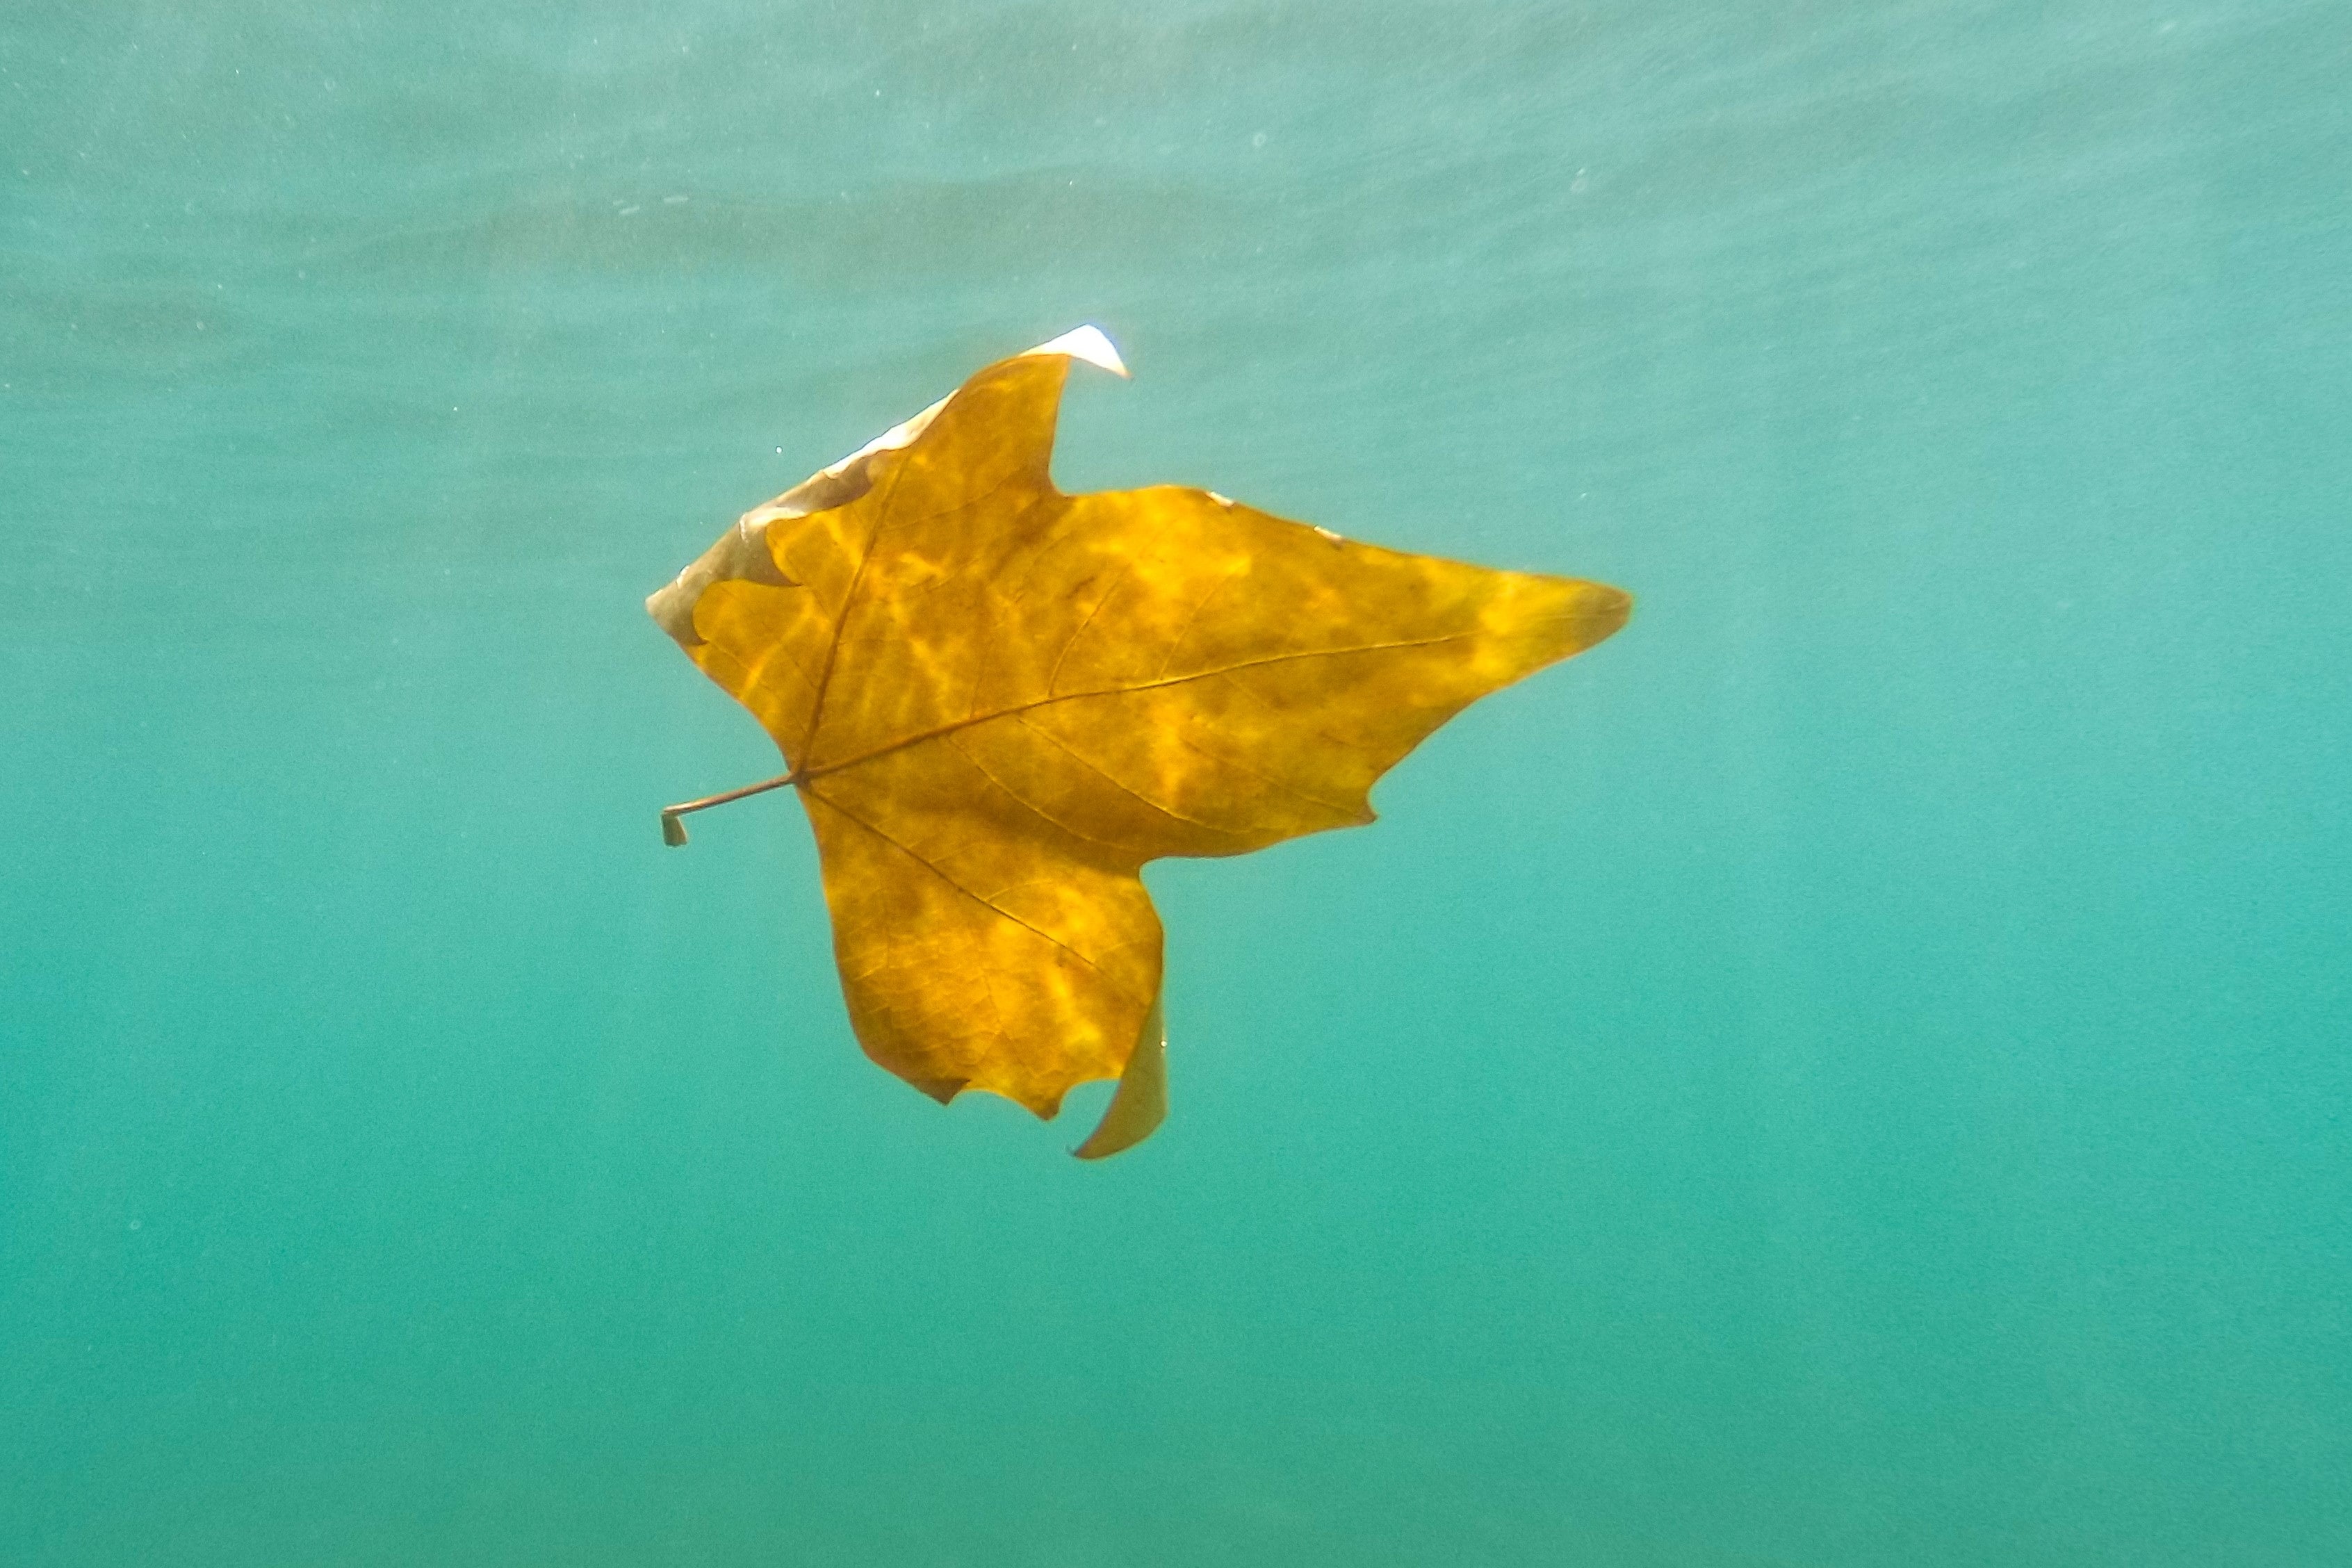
(821, 770)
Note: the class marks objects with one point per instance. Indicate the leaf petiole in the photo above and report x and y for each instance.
(674, 828)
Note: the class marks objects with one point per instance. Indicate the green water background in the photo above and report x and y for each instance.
(1851, 1072)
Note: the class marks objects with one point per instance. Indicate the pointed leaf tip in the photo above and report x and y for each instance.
(1087, 343)
(1141, 1102)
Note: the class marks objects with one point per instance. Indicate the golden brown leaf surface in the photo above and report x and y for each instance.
(998, 701)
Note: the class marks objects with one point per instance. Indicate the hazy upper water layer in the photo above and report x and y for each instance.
(1852, 1071)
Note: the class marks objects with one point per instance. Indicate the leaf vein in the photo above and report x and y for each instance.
(982, 901)
(821, 770)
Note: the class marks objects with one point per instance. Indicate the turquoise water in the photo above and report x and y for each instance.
(1852, 1071)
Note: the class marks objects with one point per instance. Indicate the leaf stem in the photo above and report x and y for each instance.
(674, 829)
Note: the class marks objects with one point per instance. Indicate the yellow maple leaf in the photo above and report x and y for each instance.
(997, 702)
